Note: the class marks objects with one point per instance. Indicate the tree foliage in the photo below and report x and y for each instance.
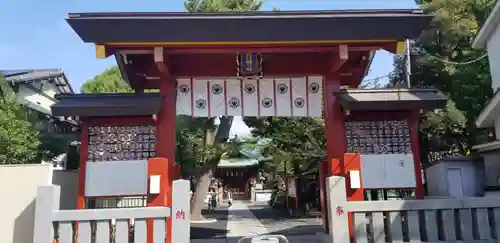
(40, 140)
(190, 142)
(442, 58)
(109, 81)
(19, 142)
(300, 142)
(210, 6)
(53, 143)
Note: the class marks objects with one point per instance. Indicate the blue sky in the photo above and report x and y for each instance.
(34, 34)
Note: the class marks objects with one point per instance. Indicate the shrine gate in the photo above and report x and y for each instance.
(288, 64)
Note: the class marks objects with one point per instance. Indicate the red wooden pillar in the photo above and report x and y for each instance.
(413, 123)
(335, 135)
(352, 162)
(84, 133)
(165, 151)
(158, 166)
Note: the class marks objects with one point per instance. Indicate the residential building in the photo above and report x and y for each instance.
(36, 90)
(489, 38)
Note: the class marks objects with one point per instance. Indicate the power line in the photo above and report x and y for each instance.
(424, 52)
(376, 79)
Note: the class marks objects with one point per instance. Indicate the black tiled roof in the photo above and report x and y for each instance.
(35, 75)
(343, 25)
(392, 99)
(105, 105)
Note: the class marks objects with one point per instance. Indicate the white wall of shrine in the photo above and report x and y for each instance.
(282, 97)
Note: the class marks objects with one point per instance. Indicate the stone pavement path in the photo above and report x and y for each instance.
(242, 222)
(244, 219)
(278, 222)
(211, 230)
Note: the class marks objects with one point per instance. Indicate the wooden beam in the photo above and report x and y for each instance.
(101, 52)
(158, 54)
(247, 49)
(401, 48)
(159, 58)
(344, 52)
(135, 51)
(339, 58)
(270, 50)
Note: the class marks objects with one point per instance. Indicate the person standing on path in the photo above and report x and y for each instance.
(229, 197)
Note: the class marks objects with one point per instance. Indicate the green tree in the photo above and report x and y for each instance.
(191, 143)
(298, 142)
(297, 145)
(53, 143)
(19, 142)
(196, 6)
(109, 81)
(442, 58)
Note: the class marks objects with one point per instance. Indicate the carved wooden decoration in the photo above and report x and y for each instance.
(121, 142)
(378, 137)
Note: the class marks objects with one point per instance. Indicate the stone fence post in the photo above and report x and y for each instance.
(337, 215)
(47, 200)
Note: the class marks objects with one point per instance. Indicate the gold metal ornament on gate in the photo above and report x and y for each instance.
(249, 65)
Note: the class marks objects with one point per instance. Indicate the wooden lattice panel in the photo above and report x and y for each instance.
(134, 142)
(378, 137)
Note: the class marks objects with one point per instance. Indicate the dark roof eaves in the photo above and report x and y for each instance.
(57, 73)
(308, 13)
(105, 95)
(111, 104)
(66, 81)
(31, 80)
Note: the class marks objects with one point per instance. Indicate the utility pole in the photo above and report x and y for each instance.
(408, 63)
